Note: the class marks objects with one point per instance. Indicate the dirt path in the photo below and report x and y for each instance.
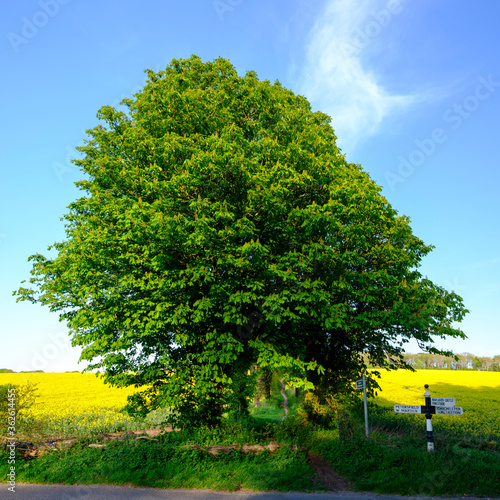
(327, 477)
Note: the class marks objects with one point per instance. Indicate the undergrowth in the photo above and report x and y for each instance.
(168, 463)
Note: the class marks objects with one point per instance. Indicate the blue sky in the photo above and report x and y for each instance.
(413, 90)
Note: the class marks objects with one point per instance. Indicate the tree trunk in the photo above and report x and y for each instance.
(258, 393)
(267, 376)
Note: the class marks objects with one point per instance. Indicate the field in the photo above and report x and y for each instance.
(478, 393)
(75, 403)
(393, 460)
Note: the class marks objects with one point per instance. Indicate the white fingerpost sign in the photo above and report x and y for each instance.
(443, 410)
(407, 408)
(443, 401)
(433, 406)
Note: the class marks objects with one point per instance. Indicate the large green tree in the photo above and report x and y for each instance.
(222, 228)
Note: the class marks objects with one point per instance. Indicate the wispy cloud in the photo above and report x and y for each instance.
(335, 77)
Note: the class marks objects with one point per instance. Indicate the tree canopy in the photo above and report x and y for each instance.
(220, 228)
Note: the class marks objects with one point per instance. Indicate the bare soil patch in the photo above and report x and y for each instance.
(327, 477)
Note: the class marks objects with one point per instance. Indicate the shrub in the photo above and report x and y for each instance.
(333, 410)
(24, 398)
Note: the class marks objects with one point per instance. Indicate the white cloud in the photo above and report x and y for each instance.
(334, 77)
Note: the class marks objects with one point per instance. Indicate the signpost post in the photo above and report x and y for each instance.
(433, 406)
(361, 385)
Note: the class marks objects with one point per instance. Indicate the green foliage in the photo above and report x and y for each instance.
(220, 227)
(243, 391)
(294, 430)
(225, 434)
(264, 380)
(268, 411)
(165, 464)
(341, 411)
(16, 401)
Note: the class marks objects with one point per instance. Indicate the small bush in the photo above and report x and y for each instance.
(24, 396)
(293, 430)
(329, 411)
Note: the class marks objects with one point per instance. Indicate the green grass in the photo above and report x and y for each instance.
(165, 464)
(391, 464)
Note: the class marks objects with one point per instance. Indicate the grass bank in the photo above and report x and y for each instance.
(395, 463)
(169, 461)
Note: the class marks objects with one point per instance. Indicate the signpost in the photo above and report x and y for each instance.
(433, 406)
(361, 385)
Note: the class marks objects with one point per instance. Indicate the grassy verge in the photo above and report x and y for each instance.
(156, 465)
(401, 465)
(166, 464)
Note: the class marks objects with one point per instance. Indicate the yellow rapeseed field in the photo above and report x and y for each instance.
(74, 403)
(62, 392)
(478, 393)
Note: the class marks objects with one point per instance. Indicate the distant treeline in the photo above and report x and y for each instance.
(421, 361)
(8, 370)
(466, 361)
